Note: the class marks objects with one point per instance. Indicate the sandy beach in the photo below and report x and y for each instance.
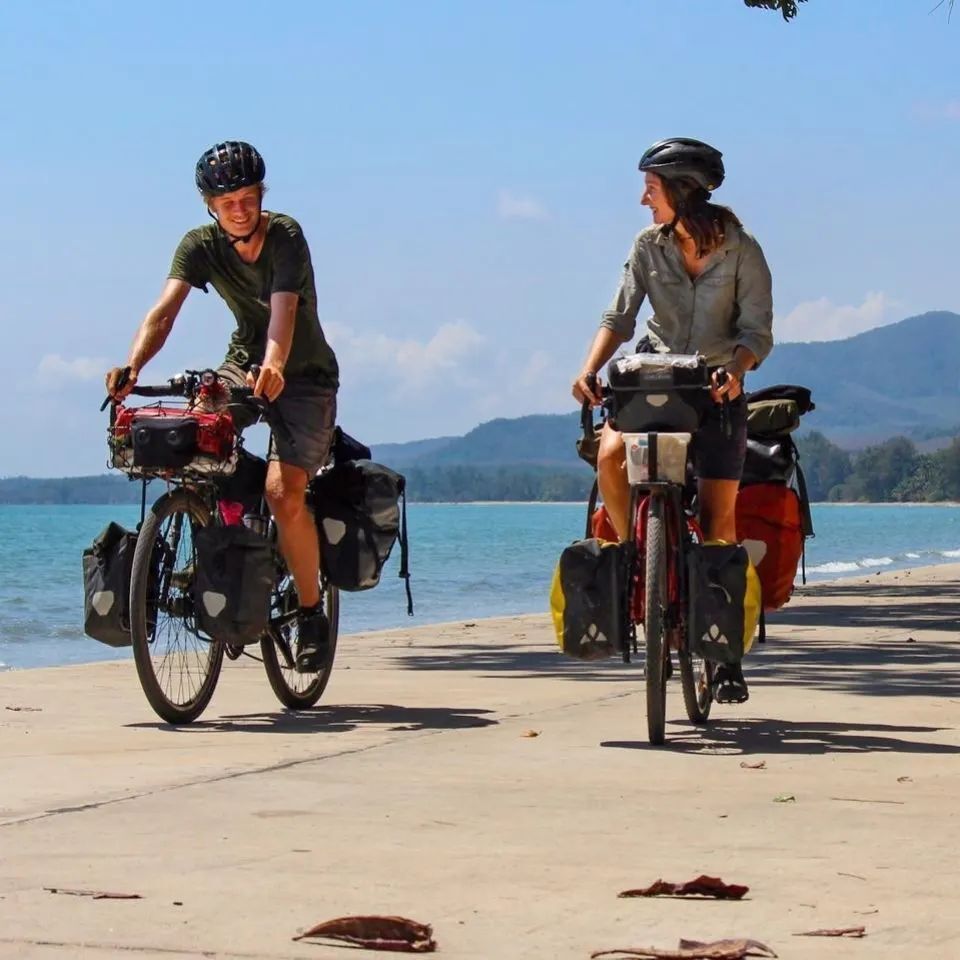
(467, 776)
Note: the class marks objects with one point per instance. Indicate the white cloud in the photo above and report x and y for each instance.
(513, 207)
(823, 320)
(402, 363)
(54, 368)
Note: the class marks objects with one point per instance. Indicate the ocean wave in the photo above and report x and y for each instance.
(913, 556)
(875, 561)
(950, 553)
(835, 566)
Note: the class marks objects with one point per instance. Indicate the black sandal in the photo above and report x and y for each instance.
(729, 684)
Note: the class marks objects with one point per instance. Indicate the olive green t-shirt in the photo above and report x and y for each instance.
(205, 256)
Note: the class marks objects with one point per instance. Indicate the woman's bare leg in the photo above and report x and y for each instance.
(718, 509)
(612, 479)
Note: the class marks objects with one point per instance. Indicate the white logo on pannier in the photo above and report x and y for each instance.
(334, 529)
(756, 550)
(213, 603)
(102, 601)
(713, 635)
(592, 636)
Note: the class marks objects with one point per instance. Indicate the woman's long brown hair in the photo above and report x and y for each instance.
(706, 222)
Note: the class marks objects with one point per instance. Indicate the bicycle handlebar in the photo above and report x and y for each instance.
(189, 385)
(586, 409)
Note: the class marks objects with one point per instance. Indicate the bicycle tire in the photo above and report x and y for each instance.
(655, 580)
(278, 647)
(154, 594)
(696, 677)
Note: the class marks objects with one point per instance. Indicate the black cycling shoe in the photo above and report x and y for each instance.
(729, 684)
(313, 640)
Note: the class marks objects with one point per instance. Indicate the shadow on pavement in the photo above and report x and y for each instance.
(339, 718)
(755, 736)
(518, 659)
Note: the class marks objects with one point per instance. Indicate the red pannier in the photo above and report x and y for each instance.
(770, 527)
(164, 439)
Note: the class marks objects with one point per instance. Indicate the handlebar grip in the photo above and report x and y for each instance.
(122, 381)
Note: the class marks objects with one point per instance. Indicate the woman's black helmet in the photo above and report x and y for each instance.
(229, 166)
(681, 157)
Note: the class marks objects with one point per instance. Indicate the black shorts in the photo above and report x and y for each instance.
(309, 411)
(715, 455)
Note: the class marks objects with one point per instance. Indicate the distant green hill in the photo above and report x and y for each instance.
(900, 379)
(903, 379)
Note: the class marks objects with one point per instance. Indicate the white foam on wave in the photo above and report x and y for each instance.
(950, 553)
(914, 556)
(875, 561)
(835, 566)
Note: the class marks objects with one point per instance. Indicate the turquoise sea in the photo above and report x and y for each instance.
(467, 560)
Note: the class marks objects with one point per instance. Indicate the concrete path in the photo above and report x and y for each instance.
(418, 788)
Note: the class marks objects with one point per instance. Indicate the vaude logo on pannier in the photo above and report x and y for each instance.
(715, 635)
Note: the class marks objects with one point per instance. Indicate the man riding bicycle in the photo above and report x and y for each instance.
(709, 285)
(259, 263)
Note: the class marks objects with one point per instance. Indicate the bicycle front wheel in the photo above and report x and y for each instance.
(696, 677)
(178, 670)
(298, 691)
(655, 600)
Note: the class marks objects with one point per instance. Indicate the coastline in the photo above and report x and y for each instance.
(930, 574)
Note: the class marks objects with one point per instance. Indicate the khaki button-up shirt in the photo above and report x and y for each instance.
(729, 304)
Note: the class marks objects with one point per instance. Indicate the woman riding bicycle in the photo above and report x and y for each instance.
(260, 265)
(709, 286)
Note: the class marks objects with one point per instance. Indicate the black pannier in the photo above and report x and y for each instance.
(234, 576)
(107, 563)
(360, 511)
(588, 599)
(724, 601)
(646, 395)
(164, 441)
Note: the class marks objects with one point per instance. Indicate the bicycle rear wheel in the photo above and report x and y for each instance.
(178, 670)
(654, 604)
(298, 691)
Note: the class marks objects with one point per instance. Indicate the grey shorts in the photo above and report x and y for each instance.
(717, 456)
(309, 411)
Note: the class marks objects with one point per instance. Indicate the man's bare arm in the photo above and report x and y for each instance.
(151, 336)
(283, 319)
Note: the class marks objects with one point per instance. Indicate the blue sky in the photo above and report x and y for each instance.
(466, 176)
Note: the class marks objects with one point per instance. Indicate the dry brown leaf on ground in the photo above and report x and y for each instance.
(760, 765)
(531, 733)
(397, 934)
(839, 932)
(702, 886)
(24, 709)
(904, 779)
(785, 798)
(693, 950)
(94, 894)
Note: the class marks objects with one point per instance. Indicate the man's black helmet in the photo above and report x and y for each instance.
(681, 157)
(229, 166)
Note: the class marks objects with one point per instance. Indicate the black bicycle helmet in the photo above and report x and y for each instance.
(682, 157)
(229, 166)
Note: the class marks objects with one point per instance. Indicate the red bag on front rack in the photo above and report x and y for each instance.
(172, 438)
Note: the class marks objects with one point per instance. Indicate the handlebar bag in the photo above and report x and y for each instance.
(654, 392)
(107, 563)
